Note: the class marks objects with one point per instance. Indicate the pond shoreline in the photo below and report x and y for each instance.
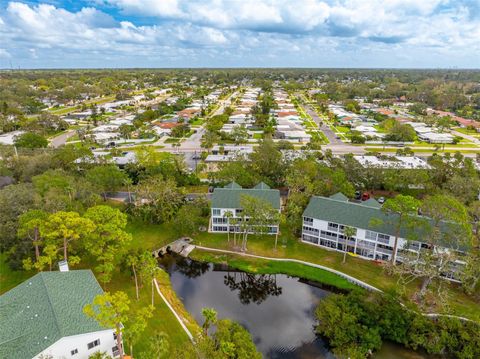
(223, 264)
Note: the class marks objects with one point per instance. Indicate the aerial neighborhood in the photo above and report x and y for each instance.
(191, 213)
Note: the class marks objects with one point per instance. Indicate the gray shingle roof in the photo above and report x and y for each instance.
(233, 185)
(45, 308)
(349, 214)
(230, 197)
(372, 203)
(339, 197)
(360, 215)
(262, 185)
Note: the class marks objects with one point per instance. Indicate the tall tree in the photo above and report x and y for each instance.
(29, 227)
(445, 229)
(136, 325)
(106, 178)
(348, 232)
(258, 216)
(65, 227)
(148, 268)
(109, 242)
(403, 209)
(158, 199)
(111, 311)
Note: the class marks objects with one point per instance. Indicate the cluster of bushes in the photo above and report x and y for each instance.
(356, 324)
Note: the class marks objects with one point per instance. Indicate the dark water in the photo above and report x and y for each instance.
(278, 310)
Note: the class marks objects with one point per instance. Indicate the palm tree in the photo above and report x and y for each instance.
(234, 221)
(349, 232)
(210, 316)
(228, 215)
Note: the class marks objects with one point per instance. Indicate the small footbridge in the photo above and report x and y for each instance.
(181, 246)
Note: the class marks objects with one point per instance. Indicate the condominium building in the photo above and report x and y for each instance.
(326, 218)
(227, 210)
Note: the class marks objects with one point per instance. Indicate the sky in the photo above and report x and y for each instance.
(240, 33)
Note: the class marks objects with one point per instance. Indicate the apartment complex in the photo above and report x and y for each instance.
(226, 212)
(326, 218)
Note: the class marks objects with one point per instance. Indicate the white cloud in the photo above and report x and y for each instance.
(248, 32)
(5, 54)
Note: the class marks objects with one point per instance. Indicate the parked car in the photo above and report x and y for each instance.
(365, 196)
(358, 195)
(381, 200)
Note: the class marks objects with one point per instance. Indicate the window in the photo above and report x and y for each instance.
(308, 221)
(114, 336)
(310, 239)
(216, 211)
(371, 235)
(310, 230)
(383, 238)
(115, 351)
(332, 226)
(93, 344)
(74, 351)
(220, 220)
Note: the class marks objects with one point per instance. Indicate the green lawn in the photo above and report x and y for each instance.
(258, 136)
(466, 131)
(9, 278)
(147, 237)
(197, 122)
(271, 267)
(367, 271)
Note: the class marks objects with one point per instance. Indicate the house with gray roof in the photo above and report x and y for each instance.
(226, 209)
(43, 317)
(325, 220)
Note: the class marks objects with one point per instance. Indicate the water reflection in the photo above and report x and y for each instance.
(253, 288)
(277, 310)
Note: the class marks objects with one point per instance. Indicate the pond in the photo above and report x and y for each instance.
(278, 310)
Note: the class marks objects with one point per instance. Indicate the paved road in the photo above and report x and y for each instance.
(61, 139)
(332, 137)
(337, 146)
(468, 137)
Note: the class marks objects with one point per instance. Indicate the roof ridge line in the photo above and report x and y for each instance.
(349, 202)
(51, 305)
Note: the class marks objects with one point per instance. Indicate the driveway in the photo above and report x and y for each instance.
(61, 139)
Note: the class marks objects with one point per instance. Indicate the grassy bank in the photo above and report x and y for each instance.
(260, 266)
(370, 272)
(144, 237)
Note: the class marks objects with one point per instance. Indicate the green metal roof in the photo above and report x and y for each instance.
(45, 308)
(230, 197)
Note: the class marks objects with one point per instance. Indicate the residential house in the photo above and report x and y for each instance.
(43, 317)
(227, 200)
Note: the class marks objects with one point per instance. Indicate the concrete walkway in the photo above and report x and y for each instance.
(314, 265)
(341, 274)
(182, 324)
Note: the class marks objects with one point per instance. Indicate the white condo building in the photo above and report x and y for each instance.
(227, 211)
(325, 220)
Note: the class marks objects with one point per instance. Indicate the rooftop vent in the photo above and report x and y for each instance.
(63, 266)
